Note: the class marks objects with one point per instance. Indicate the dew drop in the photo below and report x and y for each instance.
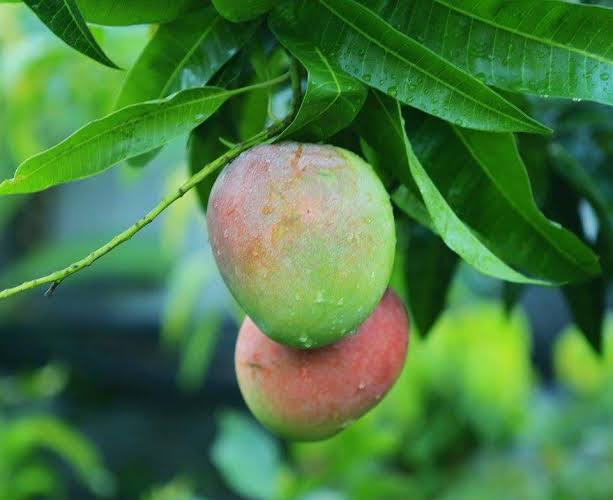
(392, 91)
(604, 76)
(341, 301)
(319, 298)
(367, 77)
(362, 386)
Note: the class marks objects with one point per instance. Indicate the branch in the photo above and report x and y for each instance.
(265, 136)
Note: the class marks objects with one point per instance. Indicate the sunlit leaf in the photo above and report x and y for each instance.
(368, 48)
(547, 47)
(123, 134)
(65, 20)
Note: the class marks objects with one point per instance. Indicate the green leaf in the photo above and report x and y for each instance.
(243, 10)
(547, 48)
(127, 12)
(64, 19)
(587, 305)
(183, 54)
(511, 294)
(204, 146)
(383, 144)
(586, 301)
(576, 176)
(492, 175)
(377, 125)
(126, 133)
(413, 206)
(366, 47)
(429, 269)
(332, 98)
(458, 236)
(247, 456)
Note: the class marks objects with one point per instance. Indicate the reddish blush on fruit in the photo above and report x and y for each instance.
(309, 395)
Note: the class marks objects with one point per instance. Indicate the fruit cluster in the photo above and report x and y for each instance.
(304, 238)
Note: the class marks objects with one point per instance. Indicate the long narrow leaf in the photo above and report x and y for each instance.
(183, 54)
(123, 134)
(332, 98)
(65, 20)
(456, 234)
(546, 47)
(492, 175)
(368, 48)
(127, 12)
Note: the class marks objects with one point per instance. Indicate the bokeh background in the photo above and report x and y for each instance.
(121, 385)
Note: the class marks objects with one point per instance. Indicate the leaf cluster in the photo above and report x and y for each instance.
(468, 110)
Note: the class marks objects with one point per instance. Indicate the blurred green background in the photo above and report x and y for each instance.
(122, 385)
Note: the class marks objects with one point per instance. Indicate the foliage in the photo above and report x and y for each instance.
(428, 73)
(452, 103)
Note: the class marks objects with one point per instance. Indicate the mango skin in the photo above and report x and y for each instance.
(304, 238)
(310, 395)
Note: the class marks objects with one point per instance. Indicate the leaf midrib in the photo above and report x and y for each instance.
(95, 136)
(453, 89)
(523, 33)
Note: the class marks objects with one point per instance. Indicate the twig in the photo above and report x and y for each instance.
(265, 136)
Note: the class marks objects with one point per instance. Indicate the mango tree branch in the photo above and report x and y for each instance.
(265, 136)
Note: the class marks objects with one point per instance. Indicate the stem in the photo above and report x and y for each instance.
(265, 136)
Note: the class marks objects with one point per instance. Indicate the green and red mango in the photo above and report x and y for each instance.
(309, 395)
(304, 238)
